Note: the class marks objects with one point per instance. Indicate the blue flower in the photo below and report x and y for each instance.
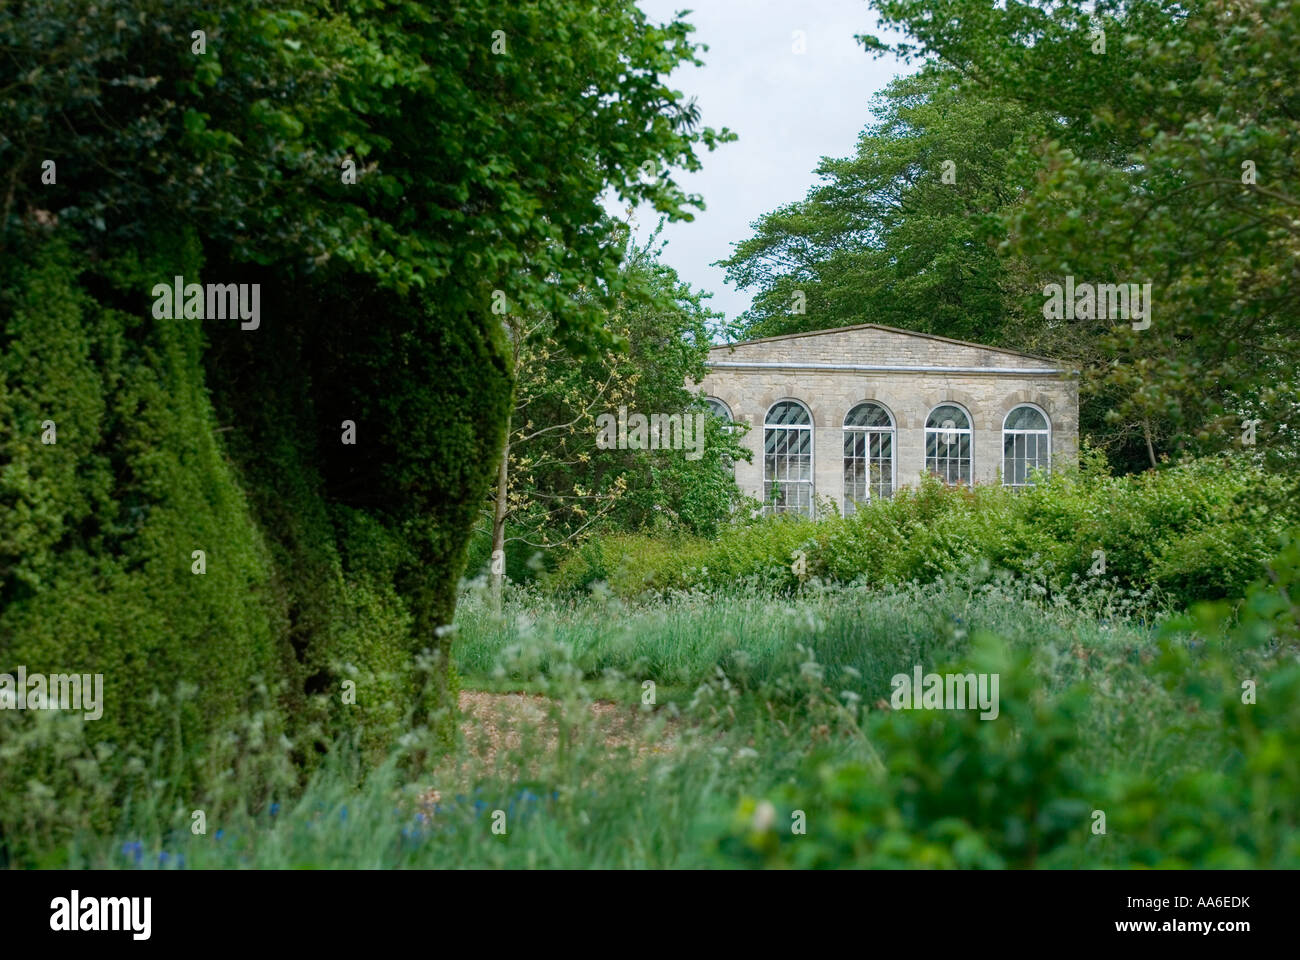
(343, 813)
(220, 834)
(135, 847)
(275, 808)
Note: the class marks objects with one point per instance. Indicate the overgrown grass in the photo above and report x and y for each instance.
(767, 709)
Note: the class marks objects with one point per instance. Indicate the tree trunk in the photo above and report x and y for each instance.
(498, 568)
(1146, 432)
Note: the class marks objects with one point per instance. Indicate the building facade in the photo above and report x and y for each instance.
(854, 413)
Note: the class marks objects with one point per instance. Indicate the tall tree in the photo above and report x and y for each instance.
(904, 232)
(1170, 156)
(557, 482)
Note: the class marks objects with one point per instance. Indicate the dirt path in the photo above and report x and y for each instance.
(493, 721)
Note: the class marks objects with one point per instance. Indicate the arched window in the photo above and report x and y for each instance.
(787, 459)
(1026, 445)
(723, 413)
(719, 409)
(868, 455)
(948, 444)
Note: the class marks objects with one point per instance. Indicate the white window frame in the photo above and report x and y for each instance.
(969, 431)
(1047, 434)
(768, 506)
(850, 504)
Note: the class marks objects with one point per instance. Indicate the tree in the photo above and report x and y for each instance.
(904, 232)
(1168, 157)
(557, 483)
(557, 399)
(384, 174)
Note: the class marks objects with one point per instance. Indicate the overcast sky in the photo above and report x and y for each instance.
(789, 111)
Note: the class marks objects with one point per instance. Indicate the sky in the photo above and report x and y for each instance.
(789, 109)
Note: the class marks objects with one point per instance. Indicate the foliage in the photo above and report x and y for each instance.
(225, 158)
(561, 485)
(1198, 531)
(1168, 156)
(768, 706)
(893, 236)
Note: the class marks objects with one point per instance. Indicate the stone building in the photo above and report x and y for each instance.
(855, 412)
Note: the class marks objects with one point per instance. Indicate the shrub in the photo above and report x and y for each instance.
(1195, 531)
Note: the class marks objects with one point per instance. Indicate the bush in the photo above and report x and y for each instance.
(244, 666)
(1196, 531)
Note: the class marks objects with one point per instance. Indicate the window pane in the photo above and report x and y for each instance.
(868, 415)
(787, 460)
(948, 414)
(788, 412)
(1026, 418)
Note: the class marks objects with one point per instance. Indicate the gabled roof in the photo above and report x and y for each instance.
(885, 329)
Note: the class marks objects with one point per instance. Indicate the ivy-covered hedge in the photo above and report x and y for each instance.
(1196, 531)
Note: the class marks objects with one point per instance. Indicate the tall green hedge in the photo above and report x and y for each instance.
(173, 437)
(97, 538)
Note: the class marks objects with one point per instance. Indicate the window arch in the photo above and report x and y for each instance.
(948, 443)
(719, 410)
(788, 458)
(1026, 445)
(868, 454)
